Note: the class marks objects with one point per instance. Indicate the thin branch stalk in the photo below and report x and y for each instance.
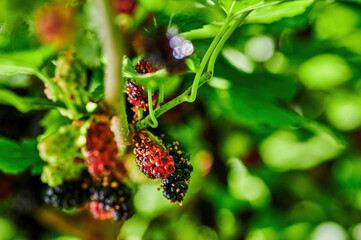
(113, 48)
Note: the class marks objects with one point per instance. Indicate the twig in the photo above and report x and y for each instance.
(173, 103)
(113, 48)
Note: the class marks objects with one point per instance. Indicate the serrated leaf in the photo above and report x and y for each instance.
(278, 11)
(18, 157)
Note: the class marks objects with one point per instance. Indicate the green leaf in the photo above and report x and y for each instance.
(278, 11)
(15, 81)
(25, 104)
(31, 58)
(51, 122)
(151, 80)
(88, 48)
(97, 94)
(96, 86)
(244, 5)
(284, 151)
(246, 106)
(18, 157)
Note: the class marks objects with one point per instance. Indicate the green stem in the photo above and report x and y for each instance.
(156, 139)
(193, 95)
(140, 113)
(154, 122)
(237, 21)
(58, 94)
(173, 103)
(160, 96)
(113, 48)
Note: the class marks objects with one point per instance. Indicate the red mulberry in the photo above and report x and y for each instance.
(124, 6)
(55, 23)
(152, 160)
(101, 149)
(96, 209)
(136, 93)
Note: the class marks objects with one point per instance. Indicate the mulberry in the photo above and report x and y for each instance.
(55, 23)
(111, 196)
(152, 160)
(176, 185)
(96, 209)
(100, 149)
(124, 6)
(136, 93)
(70, 194)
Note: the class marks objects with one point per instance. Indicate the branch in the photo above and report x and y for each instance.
(144, 123)
(113, 48)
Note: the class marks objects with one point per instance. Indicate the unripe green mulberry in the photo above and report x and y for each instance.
(60, 147)
(55, 175)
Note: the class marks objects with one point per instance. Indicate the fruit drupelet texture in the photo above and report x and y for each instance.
(101, 150)
(175, 186)
(111, 199)
(136, 93)
(152, 160)
(70, 194)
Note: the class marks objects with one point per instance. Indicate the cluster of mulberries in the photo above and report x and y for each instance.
(101, 150)
(152, 159)
(111, 199)
(171, 165)
(136, 93)
(70, 194)
(175, 186)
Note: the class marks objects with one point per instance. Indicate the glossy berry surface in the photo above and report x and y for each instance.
(98, 212)
(176, 185)
(124, 6)
(112, 196)
(101, 150)
(152, 160)
(70, 194)
(136, 93)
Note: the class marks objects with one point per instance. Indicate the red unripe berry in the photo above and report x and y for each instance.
(55, 23)
(153, 161)
(136, 93)
(98, 212)
(124, 6)
(100, 149)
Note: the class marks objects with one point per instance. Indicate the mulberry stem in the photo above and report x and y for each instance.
(154, 122)
(113, 48)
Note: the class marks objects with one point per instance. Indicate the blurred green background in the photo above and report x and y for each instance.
(255, 177)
